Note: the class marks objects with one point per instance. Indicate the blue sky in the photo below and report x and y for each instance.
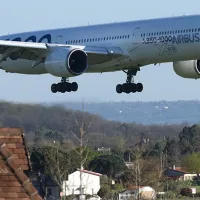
(160, 82)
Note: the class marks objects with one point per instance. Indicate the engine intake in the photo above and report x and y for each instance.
(65, 62)
(77, 62)
(187, 69)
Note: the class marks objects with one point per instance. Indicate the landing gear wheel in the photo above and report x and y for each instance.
(127, 88)
(54, 88)
(74, 86)
(64, 86)
(139, 87)
(68, 87)
(59, 87)
(119, 89)
(134, 88)
(130, 86)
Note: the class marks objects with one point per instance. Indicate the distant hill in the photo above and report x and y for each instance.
(55, 123)
(170, 112)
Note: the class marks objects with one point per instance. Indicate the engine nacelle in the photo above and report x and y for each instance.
(187, 69)
(65, 62)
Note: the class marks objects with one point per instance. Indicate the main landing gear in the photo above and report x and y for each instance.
(130, 86)
(64, 86)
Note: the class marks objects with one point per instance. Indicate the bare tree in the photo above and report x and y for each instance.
(79, 132)
(57, 157)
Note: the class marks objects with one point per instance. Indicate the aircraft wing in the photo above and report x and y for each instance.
(37, 52)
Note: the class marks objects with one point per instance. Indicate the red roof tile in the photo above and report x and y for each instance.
(14, 158)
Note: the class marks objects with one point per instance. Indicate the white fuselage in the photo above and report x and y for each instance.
(143, 42)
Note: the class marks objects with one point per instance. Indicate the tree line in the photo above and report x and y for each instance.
(41, 121)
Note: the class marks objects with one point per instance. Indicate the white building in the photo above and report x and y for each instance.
(145, 193)
(90, 183)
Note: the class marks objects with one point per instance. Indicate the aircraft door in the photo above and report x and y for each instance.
(59, 39)
(136, 38)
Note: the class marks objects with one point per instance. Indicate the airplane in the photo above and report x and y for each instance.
(122, 46)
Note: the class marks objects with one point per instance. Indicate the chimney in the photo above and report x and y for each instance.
(174, 167)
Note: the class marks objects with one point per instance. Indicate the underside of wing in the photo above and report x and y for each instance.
(22, 50)
(98, 55)
(37, 52)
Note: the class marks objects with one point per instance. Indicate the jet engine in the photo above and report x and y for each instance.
(187, 69)
(66, 62)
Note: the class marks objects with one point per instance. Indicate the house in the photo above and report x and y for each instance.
(90, 183)
(104, 150)
(14, 160)
(133, 192)
(179, 173)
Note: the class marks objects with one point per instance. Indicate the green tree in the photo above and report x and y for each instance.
(54, 160)
(192, 163)
(88, 155)
(172, 150)
(109, 165)
(189, 139)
